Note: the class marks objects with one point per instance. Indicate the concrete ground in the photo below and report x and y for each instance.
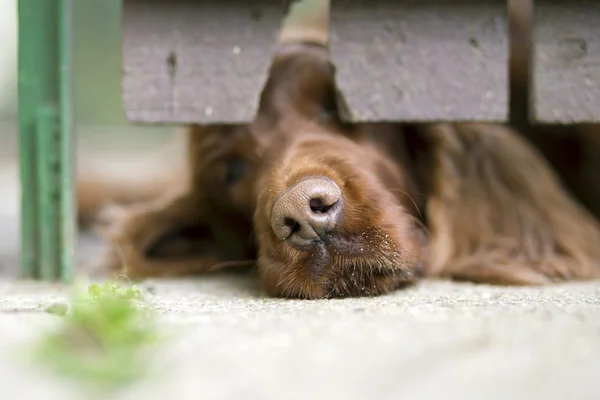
(435, 341)
(438, 340)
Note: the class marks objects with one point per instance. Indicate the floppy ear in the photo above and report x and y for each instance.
(498, 214)
(301, 79)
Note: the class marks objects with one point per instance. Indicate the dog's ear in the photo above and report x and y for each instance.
(301, 79)
(301, 84)
(498, 213)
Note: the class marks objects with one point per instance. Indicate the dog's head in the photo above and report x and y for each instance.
(326, 203)
(330, 217)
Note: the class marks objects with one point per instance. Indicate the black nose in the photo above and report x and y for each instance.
(307, 210)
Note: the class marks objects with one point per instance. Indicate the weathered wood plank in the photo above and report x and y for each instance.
(197, 60)
(422, 60)
(566, 61)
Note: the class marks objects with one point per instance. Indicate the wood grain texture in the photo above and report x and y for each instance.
(422, 60)
(197, 60)
(566, 61)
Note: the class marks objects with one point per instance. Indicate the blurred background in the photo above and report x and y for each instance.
(103, 134)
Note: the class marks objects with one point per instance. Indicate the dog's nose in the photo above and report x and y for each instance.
(307, 210)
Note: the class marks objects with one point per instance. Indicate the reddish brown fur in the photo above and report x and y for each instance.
(495, 211)
(377, 247)
(195, 225)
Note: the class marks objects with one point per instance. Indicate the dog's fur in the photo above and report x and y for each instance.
(474, 202)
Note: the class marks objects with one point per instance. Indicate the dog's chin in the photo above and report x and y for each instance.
(365, 264)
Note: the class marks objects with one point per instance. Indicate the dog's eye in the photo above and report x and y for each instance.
(236, 170)
(329, 108)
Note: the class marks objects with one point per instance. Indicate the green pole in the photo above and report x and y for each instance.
(46, 142)
(68, 232)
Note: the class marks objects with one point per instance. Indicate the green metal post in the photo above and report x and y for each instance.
(46, 141)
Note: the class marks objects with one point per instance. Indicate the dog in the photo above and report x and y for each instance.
(323, 208)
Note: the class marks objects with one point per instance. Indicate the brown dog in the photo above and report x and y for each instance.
(329, 209)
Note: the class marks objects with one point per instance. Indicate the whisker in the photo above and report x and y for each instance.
(415, 221)
(289, 282)
(232, 264)
(252, 239)
(121, 255)
(410, 198)
(123, 276)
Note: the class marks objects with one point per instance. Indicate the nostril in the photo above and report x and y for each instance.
(292, 224)
(307, 210)
(318, 205)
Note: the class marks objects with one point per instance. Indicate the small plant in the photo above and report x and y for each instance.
(102, 337)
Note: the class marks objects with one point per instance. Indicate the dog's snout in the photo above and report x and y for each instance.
(307, 210)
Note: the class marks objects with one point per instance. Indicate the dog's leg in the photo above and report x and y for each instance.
(95, 190)
(141, 179)
(200, 222)
(497, 213)
(159, 238)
